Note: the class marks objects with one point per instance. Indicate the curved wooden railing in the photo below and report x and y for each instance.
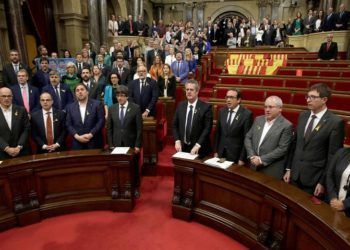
(40, 186)
(257, 210)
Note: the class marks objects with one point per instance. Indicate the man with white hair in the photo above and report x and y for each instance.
(267, 142)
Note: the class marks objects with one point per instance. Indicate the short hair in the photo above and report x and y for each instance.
(192, 81)
(43, 59)
(54, 73)
(121, 89)
(86, 67)
(23, 70)
(120, 58)
(81, 84)
(322, 89)
(14, 50)
(278, 101)
(71, 64)
(178, 52)
(78, 54)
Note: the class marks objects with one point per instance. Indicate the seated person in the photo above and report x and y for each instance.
(328, 50)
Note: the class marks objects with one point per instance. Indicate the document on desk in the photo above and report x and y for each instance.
(120, 150)
(215, 162)
(184, 155)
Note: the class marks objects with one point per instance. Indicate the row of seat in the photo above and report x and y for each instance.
(316, 72)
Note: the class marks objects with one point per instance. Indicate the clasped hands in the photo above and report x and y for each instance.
(85, 138)
(255, 160)
(12, 151)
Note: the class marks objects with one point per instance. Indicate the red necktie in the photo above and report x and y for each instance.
(49, 132)
(328, 45)
(131, 30)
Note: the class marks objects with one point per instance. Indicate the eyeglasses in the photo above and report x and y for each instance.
(6, 96)
(311, 97)
(230, 97)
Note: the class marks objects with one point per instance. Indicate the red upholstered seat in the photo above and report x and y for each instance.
(284, 95)
(339, 102)
(296, 83)
(253, 95)
(291, 115)
(298, 98)
(272, 82)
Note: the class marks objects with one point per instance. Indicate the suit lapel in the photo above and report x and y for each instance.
(42, 125)
(15, 114)
(319, 126)
(3, 120)
(235, 120)
(260, 126)
(55, 123)
(273, 128)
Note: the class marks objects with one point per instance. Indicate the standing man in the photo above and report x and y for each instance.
(124, 73)
(85, 120)
(48, 126)
(41, 77)
(24, 94)
(192, 123)
(10, 70)
(319, 134)
(180, 69)
(233, 123)
(94, 89)
(328, 50)
(60, 92)
(267, 142)
(14, 127)
(144, 92)
(130, 27)
(124, 127)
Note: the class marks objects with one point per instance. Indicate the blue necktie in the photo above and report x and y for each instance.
(121, 115)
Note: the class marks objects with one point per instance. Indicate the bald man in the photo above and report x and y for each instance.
(14, 127)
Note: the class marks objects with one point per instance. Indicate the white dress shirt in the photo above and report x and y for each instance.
(235, 110)
(8, 116)
(344, 181)
(266, 129)
(82, 108)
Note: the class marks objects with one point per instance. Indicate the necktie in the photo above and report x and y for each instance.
(178, 68)
(189, 125)
(142, 85)
(49, 132)
(25, 99)
(120, 71)
(16, 68)
(309, 127)
(228, 122)
(79, 66)
(131, 28)
(57, 92)
(328, 45)
(88, 86)
(121, 118)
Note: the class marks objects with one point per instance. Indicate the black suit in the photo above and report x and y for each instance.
(65, 98)
(17, 135)
(329, 22)
(125, 77)
(128, 55)
(9, 76)
(95, 89)
(171, 87)
(201, 127)
(343, 19)
(127, 28)
(311, 156)
(215, 35)
(329, 54)
(39, 132)
(229, 139)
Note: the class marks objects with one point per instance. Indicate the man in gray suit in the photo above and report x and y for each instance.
(267, 142)
(124, 127)
(319, 134)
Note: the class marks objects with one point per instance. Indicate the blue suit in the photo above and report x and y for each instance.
(93, 123)
(181, 71)
(66, 96)
(34, 97)
(147, 99)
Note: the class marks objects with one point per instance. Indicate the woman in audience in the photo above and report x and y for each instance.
(167, 83)
(319, 21)
(169, 59)
(109, 97)
(66, 54)
(298, 24)
(192, 63)
(259, 34)
(99, 78)
(86, 58)
(71, 77)
(137, 54)
(231, 41)
(338, 181)
(156, 69)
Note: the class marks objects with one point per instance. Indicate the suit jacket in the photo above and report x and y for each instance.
(34, 97)
(9, 77)
(181, 72)
(148, 97)
(94, 122)
(311, 21)
(95, 90)
(39, 132)
(329, 22)
(311, 157)
(40, 80)
(248, 41)
(343, 19)
(202, 123)
(335, 171)
(85, 65)
(331, 53)
(128, 30)
(125, 78)
(229, 140)
(126, 53)
(17, 135)
(171, 88)
(215, 36)
(66, 96)
(152, 54)
(128, 134)
(274, 148)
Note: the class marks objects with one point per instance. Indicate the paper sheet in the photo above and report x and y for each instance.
(214, 162)
(120, 151)
(184, 155)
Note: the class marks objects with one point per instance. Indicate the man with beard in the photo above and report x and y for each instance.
(10, 70)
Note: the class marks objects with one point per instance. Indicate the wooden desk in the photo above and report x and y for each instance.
(40, 186)
(255, 209)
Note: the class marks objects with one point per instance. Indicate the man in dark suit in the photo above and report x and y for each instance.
(41, 77)
(48, 126)
(268, 140)
(319, 134)
(60, 92)
(24, 94)
(105, 68)
(85, 120)
(130, 27)
(9, 72)
(328, 50)
(342, 18)
(329, 20)
(192, 123)
(215, 35)
(151, 54)
(309, 22)
(140, 26)
(124, 127)
(180, 68)
(248, 40)
(128, 50)
(95, 90)
(80, 64)
(233, 123)
(144, 92)
(124, 73)
(92, 54)
(14, 127)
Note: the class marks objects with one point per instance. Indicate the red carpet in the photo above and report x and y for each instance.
(149, 226)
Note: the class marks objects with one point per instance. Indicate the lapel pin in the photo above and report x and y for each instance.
(87, 113)
(16, 113)
(63, 90)
(237, 117)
